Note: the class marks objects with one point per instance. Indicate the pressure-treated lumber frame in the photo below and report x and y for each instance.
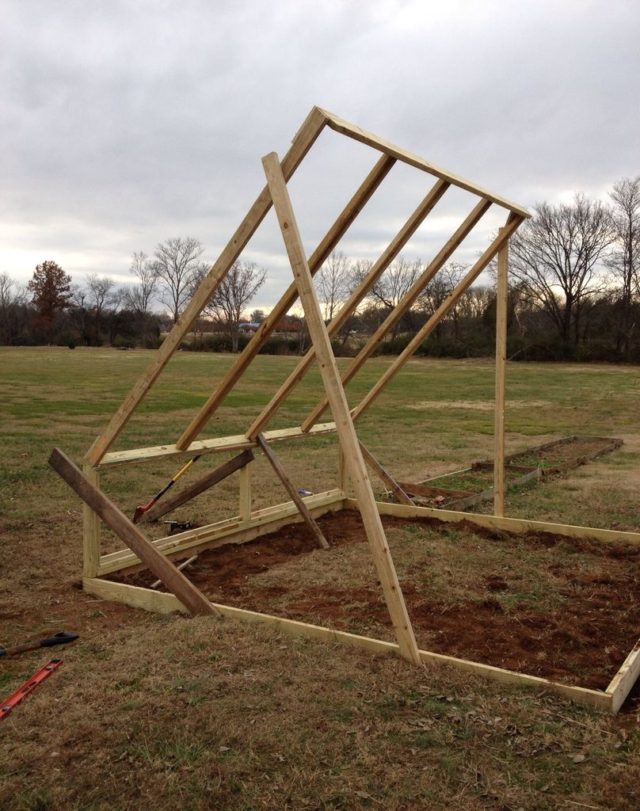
(249, 523)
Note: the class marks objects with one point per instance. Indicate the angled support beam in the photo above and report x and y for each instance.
(377, 269)
(513, 221)
(502, 293)
(198, 487)
(302, 142)
(385, 477)
(405, 303)
(276, 464)
(368, 138)
(344, 424)
(157, 563)
(331, 239)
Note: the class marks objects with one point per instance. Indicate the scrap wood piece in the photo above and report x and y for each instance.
(384, 475)
(198, 487)
(276, 464)
(157, 563)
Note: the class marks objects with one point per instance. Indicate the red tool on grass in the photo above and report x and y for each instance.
(28, 687)
(141, 509)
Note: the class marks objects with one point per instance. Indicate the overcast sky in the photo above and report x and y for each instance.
(125, 123)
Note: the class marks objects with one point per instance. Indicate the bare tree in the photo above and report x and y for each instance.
(176, 265)
(624, 259)
(334, 283)
(440, 288)
(555, 256)
(391, 288)
(140, 295)
(233, 294)
(100, 290)
(13, 314)
(396, 281)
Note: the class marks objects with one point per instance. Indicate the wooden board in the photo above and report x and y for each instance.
(276, 464)
(334, 235)
(302, 143)
(166, 603)
(502, 295)
(228, 531)
(340, 409)
(236, 442)
(356, 297)
(368, 138)
(155, 561)
(625, 678)
(504, 523)
(198, 487)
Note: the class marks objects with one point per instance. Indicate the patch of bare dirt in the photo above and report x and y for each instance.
(584, 642)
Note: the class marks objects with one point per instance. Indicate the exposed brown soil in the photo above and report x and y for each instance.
(584, 642)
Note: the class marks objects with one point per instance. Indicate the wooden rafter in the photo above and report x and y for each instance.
(344, 424)
(368, 138)
(331, 239)
(302, 143)
(440, 313)
(375, 272)
(405, 304)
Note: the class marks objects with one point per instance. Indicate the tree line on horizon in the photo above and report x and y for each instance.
(574, 294)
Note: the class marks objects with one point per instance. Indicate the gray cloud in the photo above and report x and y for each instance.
(127, 123)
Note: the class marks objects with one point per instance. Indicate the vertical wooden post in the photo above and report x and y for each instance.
(337, 399)
(502, 293)
(91, 530)
(245, 493)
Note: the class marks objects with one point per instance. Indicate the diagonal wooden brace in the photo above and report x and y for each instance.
(344, 424)
(157, 563)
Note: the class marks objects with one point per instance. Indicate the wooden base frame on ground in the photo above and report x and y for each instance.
(267, 521)
(158, 555)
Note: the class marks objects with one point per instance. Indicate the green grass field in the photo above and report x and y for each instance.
(197, 714)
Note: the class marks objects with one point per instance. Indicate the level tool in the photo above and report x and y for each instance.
(28, 687)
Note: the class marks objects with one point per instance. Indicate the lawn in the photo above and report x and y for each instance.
(184, 713)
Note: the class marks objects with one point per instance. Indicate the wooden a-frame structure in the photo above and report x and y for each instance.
(249, 524)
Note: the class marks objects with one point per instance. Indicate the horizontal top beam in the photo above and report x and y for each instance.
(227, 443)
(368, 138)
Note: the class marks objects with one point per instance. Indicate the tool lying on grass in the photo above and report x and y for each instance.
(61, 638)
(28, 687)
(141, 509)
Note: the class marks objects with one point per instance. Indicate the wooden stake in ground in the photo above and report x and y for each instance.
(340, 409)
(276, 464)
(157, 563)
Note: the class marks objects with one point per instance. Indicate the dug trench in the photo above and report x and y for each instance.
(564, 609)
